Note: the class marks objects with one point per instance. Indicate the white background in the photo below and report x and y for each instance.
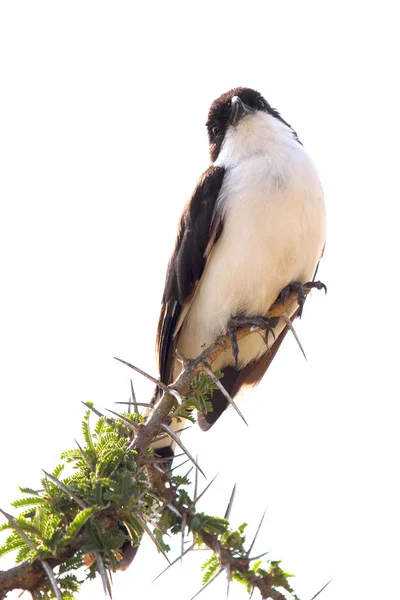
(102, 139)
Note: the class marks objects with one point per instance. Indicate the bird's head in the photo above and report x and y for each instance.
(243, 120)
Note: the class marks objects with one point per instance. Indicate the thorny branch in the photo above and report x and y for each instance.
(194, 367)
(31, 575)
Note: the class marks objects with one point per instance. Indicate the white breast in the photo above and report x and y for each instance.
(274, 233)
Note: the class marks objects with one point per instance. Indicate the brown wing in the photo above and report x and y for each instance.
(198, 230)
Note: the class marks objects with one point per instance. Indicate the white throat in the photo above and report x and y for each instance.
(255, 135)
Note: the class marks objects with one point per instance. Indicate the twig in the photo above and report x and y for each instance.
(29, 575)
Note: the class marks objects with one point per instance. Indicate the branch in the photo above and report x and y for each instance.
(194, 367)
(30, 575)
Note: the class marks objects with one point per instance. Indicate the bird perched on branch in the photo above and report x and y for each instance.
(252, 231)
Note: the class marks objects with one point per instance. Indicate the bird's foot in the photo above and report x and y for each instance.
(258, 322)
(318, 285)
(299, 288)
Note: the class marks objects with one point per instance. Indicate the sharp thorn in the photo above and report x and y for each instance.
(129, 422)
(165, 435)
(92, 408)
(230, 503)
(259, 555)
(176, 439)
(158, 468)
(85, 456)
(175, 394)
(179, 455)
(208, 583)
(65, 489)
(202, 493)
(224, 392)
(181, 358)
(218, 550)
(146, 404)
(157, 382)
(292, 329)
(180, 465)
(152, 537)
(103, 574)
(50, 575)
(322, 589)
(174, 562)
(174, 509)
(257, 532)
(183, 526)
(182, 429)
(188, 473)
(18, 529)
(133, 396)
(228, 573)
(161, 385)
(31, 545)
(196, 478)
(157, 526)
(158, 461)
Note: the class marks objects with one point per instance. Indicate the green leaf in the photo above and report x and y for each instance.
(13, 542)
(57, 471)
(22, 554)
(87, 436)
(78, 522)
(26, 490)
(210, 567)
(28, 501)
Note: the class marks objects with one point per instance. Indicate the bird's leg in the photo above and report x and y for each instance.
(298, 288)
(258, 322)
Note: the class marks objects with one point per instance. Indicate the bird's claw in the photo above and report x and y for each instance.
(298, 288)
(317, 285)
(264, 323)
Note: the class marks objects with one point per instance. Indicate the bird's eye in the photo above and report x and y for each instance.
(216, 130)
(261, 104)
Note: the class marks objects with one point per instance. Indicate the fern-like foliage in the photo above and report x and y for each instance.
(105, 499)
(104, 476)
(198, 398)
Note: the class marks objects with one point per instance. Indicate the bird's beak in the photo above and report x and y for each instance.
(239, 110)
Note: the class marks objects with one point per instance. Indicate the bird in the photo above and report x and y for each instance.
(253, 229)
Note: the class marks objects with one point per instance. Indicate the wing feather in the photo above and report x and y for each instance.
(198, 230)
